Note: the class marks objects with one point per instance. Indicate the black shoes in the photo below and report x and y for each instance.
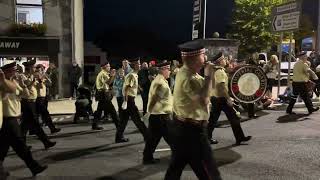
(49, 145)
(313, 110)
(38, 169)
(213, 141)
(122, 140)
(290, 112)
(151, 161)
(97, 128)
(253, 116)
(55, 130)
(244, 139)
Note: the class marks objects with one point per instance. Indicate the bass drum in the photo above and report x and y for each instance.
(248, 83)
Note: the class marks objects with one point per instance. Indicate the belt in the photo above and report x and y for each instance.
(201, 123)
(28, 100)
(11, 118)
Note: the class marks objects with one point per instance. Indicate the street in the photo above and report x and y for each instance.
(283, 148)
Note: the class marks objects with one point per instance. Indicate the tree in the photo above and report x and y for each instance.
(251, 25)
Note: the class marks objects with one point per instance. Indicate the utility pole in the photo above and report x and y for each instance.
(204, 18)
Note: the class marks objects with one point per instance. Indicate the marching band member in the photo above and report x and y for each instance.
(221, 101)
(130, 91)
(300, 79)
(42, 101)
(28, 106)
(10, 134)
(160, 108)
(187, 133)
(104, 96)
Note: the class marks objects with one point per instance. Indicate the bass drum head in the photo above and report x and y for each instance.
(248, 84)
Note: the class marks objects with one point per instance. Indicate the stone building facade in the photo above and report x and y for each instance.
(61, 43)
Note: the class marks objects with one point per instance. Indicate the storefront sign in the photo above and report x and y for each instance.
(9, 44)
(28, 46)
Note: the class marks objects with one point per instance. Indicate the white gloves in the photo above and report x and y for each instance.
(124, 105)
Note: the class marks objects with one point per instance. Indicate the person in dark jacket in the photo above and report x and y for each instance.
(53, 74)
(74, 74)
(144, 85)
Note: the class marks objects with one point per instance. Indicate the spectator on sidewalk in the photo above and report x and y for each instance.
(53, 73)
(75, 74)
(285, 97)
(144, 85)
(117, 88)
(271, 69)
(126, 67)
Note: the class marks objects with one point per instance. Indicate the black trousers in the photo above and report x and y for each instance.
(42, 110)
(251, 110)
(190, 145)
(11, 136)
(300, 89)
(120, 101)
(270, 84)
(30, 121)
(145, 97)
(105, 105)
(73, 88)
(157, 129)
(220, 104)
(317, 88)
(133, 112)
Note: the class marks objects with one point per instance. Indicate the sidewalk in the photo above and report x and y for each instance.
(67, 106)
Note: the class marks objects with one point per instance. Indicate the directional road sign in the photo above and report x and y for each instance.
(286, 22)
(286, 17)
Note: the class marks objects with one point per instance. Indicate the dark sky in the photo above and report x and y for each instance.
(154, 28)
(168, 22)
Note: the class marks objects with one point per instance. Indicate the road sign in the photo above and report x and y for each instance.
(285, 8)
(286, 17)
(286, 22)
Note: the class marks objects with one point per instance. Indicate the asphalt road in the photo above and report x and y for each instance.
(283, 148)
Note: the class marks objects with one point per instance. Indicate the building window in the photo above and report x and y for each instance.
(29, 11)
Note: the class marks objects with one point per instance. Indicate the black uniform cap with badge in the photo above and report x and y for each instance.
(191, 49)
(29, 63)
(302, 53)
(104, 64)
(11, 67)
(134, 61)
(217, 58)
(164, 65)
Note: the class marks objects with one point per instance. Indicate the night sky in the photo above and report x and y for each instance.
(148, 28)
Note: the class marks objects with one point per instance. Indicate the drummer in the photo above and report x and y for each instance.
(221, 101)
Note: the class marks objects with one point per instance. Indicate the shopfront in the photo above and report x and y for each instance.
(19, 49)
